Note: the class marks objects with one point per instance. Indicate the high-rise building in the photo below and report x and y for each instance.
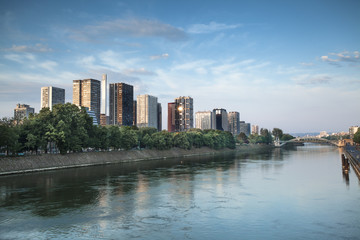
(184, 114)
(86, 93)
(103, 94)
(51, 96)
(220, 119)
(159, 117)
(147, 111)
(22, 110)
(255, 129)
(134, 112)
(121, 104)
(234, 122)
(103, 109)
(245, 128)
(171, 117)
(203, 120)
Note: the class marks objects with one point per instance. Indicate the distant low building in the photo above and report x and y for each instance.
(22, 111)
(255, 129)
(245, 128)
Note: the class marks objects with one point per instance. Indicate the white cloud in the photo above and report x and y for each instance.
(31, 61)
(24, 48)
(138, 71)
(211, 27)
(162, 56)
(307, 79)
(345, 56)
(48, 65)
(128, 27)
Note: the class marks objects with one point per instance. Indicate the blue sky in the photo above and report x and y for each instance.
(288, 64)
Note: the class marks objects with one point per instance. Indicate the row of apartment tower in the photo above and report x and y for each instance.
(145, 111)
(123, 109)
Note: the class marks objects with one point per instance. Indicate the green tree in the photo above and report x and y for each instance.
(129, 138)
(265, 136)
(286, 137)
(162, 140)
(9, 135)
(196, 137)
(114, 137)
(181, 140)
(142, 132)
(278, 133)
(357, 137)
(242, 138)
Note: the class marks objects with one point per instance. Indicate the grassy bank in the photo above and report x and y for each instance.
(24, 164)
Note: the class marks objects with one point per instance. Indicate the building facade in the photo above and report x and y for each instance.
(184, 114)
(234, 122)
(147, 111)
(134, 112)
(51, 96)
(22, 111)
(203, 120)
(171, 117)
(121, 104)
(245, 128)
(86, 93)
(159, 117)
(255, 129)
(220, 119)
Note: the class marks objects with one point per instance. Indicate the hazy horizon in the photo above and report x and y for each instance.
(291, 65)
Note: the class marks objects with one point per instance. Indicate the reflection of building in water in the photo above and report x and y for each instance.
(182, 185)
(142, 196)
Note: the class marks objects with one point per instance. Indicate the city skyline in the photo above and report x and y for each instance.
(291, 65)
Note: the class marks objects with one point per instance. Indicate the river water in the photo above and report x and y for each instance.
(298, 193)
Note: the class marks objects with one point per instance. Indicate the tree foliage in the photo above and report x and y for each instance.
(357, 136)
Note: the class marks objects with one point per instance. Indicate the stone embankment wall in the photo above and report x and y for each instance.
(23, 164)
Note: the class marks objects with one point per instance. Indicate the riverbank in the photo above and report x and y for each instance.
(353, 154)
(46, 162)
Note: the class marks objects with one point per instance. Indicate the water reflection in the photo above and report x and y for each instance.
(48, 194)
(255, 196)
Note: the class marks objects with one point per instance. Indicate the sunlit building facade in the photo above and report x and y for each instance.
(203, 120)
(86, 93)
(147, 111)
(51, 96)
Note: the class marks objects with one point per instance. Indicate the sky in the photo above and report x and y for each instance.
(293, 65)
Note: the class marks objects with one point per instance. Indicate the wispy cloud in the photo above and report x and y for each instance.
(24, 48)
(211, 27)
(138, 71)
(346, 56)
(129, 27)
(307, 79)
(162, 56)
(31, 61)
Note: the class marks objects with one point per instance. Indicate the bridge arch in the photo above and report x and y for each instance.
(311, 140)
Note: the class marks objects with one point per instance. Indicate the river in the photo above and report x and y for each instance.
(298, 193)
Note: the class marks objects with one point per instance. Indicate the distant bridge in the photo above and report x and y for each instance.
(338, 143)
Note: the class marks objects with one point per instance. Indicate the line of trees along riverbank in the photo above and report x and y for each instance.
(68, 128)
